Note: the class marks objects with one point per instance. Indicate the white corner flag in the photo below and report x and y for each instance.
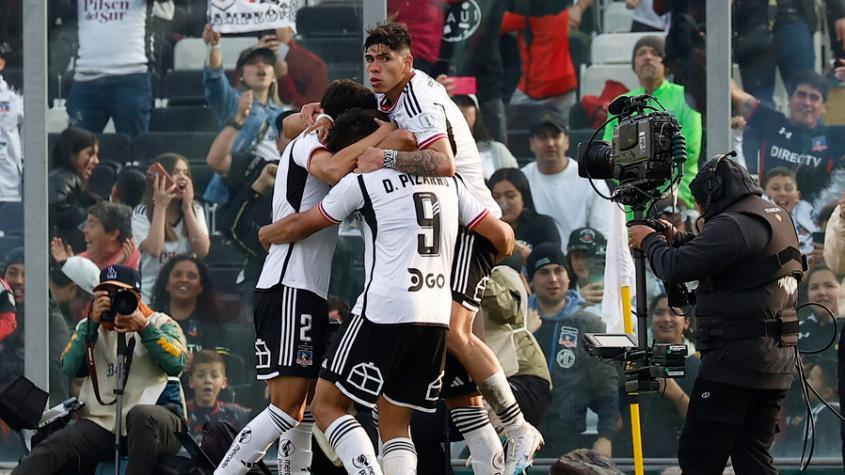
(618, 272)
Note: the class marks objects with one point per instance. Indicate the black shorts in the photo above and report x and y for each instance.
(456, 380)
(472, 262)
(291, 332)
(404, 363)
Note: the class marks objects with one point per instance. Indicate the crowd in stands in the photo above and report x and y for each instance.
(128, 109)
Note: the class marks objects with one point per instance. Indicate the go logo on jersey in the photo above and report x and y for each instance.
(429, 281)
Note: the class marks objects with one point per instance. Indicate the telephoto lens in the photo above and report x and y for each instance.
(124, 302)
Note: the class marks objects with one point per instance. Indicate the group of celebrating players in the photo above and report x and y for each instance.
(402, 159)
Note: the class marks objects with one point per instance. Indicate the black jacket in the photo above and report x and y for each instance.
(727, 240)
(68, 206)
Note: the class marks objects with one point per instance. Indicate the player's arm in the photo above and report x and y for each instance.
(294, 227)
(436, 159)
(744, 102)
(498, 232)
(331, 168)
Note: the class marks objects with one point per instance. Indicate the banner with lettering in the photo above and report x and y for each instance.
(239, 16)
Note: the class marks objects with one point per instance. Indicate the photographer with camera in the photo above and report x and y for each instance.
(153, 407)
(748, 265)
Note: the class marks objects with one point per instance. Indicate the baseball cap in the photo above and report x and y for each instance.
(120, 276)
(248, 53)
(543, 255)
(549, 120)
(83, 272)
(587, 239)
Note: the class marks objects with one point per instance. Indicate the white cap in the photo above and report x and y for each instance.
(83, 272)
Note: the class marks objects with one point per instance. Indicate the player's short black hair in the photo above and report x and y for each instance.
(344, 94)
(393, 35)
(810, 78)
(350, 127)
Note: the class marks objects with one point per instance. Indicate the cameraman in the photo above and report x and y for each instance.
(748, 265)
(153, 403)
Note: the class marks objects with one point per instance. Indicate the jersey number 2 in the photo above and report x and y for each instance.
(428, 217)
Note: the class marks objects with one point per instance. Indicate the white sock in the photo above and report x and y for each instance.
(350, 442)
(498, 393)
(295, 447)
(488, 456)
(253, 440)
(399, 457)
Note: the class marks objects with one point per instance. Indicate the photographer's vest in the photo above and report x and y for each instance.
(144, 385)
(780, 258)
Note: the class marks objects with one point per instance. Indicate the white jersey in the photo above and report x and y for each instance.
(426, 110)
(115, 38)
(304, 264)
(409, 240)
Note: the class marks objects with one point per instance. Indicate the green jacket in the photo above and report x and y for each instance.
(673, 98)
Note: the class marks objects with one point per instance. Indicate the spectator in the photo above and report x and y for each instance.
(508, 332)
(645, 18)
(494, 155)
(752, 47)
(169, 221)
(510, 189)
(834, 238)
(248, 116)
(13, 271)
(153, 405)
(207, 380)
(306, 74)
(553, 171)
(548, 76)
(795, 24)
(72, 288)
(580, 381)
(815, 330)
(8, 318)
(129, 187)
(184, 291)
(585, 255)
(781, 187)
(425, 22)
(647, 63)
(11, 122)
(112, 77)
(108, 235)
(75, 156)
(666, 410)
(799, 141)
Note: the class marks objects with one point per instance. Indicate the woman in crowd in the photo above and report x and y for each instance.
(494, 155)
(169, 221)
(823, 288)
(248, 116)
(184, 291)
(510, 189)
(108, 238)
(75, 156)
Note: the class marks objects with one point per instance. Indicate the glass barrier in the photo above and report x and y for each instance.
(532, 79)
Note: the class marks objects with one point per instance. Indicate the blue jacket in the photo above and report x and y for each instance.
(580, 381)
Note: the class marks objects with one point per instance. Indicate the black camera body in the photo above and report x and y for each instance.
(643, 367)
(642, 155)
(123, 302)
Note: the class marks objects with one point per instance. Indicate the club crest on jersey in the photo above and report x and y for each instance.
(818, 144)
(568, 337)
(304, 357)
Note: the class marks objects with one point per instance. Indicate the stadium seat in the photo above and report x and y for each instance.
(334, 50)
(12, 222)
(193, 145)
(183, 119)
(191, 53)
(593, 78)
(183, 87)
(523, 116)
(329, 20)
(201, 175)
(113, 147)
(617, 18)
(615, 48)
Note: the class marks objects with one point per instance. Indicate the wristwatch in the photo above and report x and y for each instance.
(390, 158)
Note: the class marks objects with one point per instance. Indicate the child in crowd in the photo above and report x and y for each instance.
(207, 380)
(782, 188)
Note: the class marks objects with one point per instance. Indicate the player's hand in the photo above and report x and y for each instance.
(371, 160)
(262, 236)
(244, 107)
(210, 36)
(637, 233)
(309, 113)
(323, 127)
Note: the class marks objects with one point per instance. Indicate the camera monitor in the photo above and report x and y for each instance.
(609, 345)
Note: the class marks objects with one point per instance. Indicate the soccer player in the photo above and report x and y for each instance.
(419, 104)
(391, 352)
(291, 316)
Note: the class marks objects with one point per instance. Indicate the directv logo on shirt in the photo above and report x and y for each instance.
(796, 158)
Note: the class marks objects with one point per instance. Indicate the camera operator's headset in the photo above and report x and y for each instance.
(713, 185)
